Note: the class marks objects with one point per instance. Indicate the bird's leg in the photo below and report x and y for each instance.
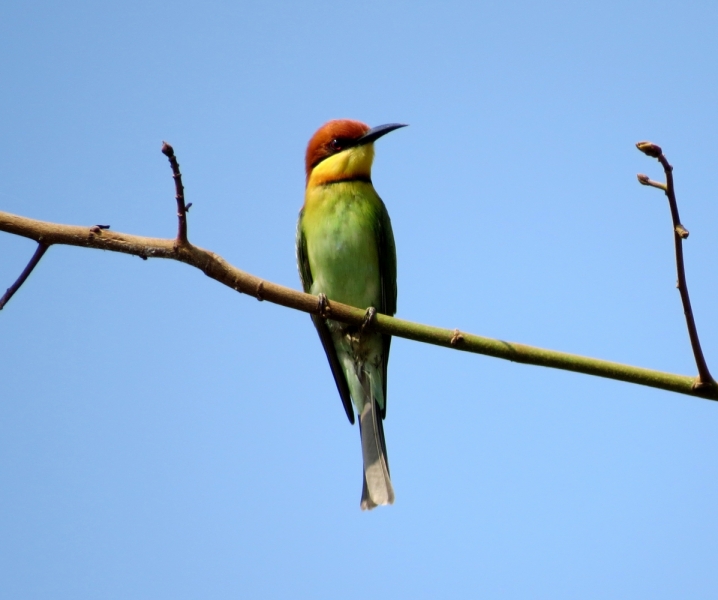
(323, 306)
(368, 318)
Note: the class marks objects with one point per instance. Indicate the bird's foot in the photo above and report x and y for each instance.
(368, 318)
(323, 306)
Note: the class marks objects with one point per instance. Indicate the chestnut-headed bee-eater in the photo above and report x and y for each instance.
(345, 252)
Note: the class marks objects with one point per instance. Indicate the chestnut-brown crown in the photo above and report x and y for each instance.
(331, 138)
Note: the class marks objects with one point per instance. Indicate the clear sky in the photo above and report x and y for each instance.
(164, 437)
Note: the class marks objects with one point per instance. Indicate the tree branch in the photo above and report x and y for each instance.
(10, 292)
(217, 268)
(680, 233)
(182, 208)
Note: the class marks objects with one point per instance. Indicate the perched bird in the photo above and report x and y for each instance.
(345, 252)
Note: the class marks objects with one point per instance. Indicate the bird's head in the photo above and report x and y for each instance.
(343, 149)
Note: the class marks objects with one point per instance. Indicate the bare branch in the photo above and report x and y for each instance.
(182, 209)
(705, 380)
(10, 292)
(217, 268)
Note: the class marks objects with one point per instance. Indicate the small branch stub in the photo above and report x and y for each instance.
(456, 338)
(169, 152)
(682, 231)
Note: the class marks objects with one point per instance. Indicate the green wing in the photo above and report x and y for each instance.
(387, 272)
(305, 274)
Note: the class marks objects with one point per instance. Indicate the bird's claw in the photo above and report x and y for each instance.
(323, 307)
(368, 318)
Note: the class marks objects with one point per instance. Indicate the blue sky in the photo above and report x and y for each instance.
(164, 437)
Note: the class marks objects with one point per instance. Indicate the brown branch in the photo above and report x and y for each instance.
(217, 268)
(182, 209)
(10, 292)
(705, 380)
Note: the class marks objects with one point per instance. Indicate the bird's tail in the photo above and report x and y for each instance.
(377, 487)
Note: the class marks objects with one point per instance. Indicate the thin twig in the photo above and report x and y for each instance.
(645, 180)
(705, 380)
(10, 292)
(169, 152)
(217, 268)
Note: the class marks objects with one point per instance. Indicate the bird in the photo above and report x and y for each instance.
(346, 253)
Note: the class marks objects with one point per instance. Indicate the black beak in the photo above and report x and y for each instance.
(376, 132)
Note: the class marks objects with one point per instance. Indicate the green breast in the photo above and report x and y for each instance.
(339, 224)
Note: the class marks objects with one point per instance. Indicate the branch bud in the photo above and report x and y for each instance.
(682, 231)
(649, 149)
